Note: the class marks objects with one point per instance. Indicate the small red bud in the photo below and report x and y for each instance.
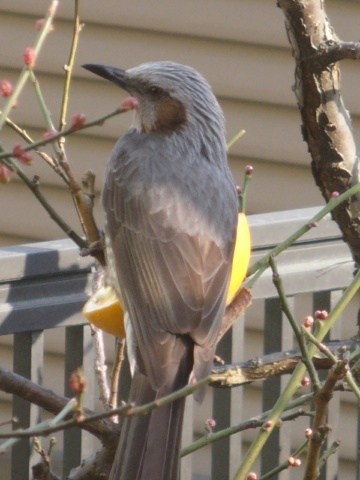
(305, 381)
(130, 103)
(249, 169)
(334, 194)
(291, 461)
(308, 433)
(321, 314)
(50, 134)
(210, 423)
(251, 476)
(294, 462)
(5, 174)
(268, 424)
(78, 120)
(39, 24)
(6, 88)
(77, 382)
(29, 57)
(308, 321)
(22, 155)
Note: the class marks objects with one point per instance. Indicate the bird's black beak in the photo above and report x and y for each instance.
(115, 75)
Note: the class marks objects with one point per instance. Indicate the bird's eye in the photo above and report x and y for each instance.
(155, 90)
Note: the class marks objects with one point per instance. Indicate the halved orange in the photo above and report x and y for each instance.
(104, 310)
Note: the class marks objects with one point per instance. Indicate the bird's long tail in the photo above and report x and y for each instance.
(149, 445)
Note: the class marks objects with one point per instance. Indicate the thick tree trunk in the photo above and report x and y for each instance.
(326, 124)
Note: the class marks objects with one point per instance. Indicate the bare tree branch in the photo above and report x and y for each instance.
(320, 428)
(15, 384)
(276, 364)
(326, 122)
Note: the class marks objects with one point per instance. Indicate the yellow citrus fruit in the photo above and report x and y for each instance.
(241, 257)
(105, 311)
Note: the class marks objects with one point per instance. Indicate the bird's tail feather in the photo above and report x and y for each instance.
(149, 444)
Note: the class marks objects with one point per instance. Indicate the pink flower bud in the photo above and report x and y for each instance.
(294, 462)
(305, 381)
(39, 24)
(50, 134)
(308, 321)
(5, 173)
(211, 423)
(77, 382)
(22, 155)
(6, 88)
(334, 194)
(268, 424)
(291, 461)
(251, 476)
(308, 433)
(249, 169)
(130, 103)
(321, 314)
(78, 120)
(29, 57)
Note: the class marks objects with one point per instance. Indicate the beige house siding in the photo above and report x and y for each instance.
(241, 48)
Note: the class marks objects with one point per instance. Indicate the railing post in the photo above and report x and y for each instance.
(28, 362)
(227, 408)
(278, 336)
(221, 413)
(187, 439)
(78, 353)
(271, 388)
(237, 396)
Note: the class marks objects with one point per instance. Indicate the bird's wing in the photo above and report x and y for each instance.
(172, 253)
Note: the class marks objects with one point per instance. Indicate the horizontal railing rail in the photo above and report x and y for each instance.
(44, 286)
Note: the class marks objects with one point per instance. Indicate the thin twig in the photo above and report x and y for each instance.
(68, 131)
(34, 188)
(235, 139)
(294, 383)
(254, 422)
(24, 75)
(40, 427)
(261, 265)
(125, 410)
(49, 124)
(326, 351)
(50, 161)
(70, 66)
(100, 366)
(115, 374)
(285, 465)
(277, 281)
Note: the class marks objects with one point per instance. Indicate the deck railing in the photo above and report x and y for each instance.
(44, 285)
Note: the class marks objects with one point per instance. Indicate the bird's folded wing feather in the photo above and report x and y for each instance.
(172, 258)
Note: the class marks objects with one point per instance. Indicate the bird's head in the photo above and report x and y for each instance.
(171, 96)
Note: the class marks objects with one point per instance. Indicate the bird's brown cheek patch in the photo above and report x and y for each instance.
(170, 116)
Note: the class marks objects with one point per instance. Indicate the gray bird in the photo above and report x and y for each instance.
(171, 216)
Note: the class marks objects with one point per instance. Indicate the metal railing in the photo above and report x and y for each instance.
(44, 285)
